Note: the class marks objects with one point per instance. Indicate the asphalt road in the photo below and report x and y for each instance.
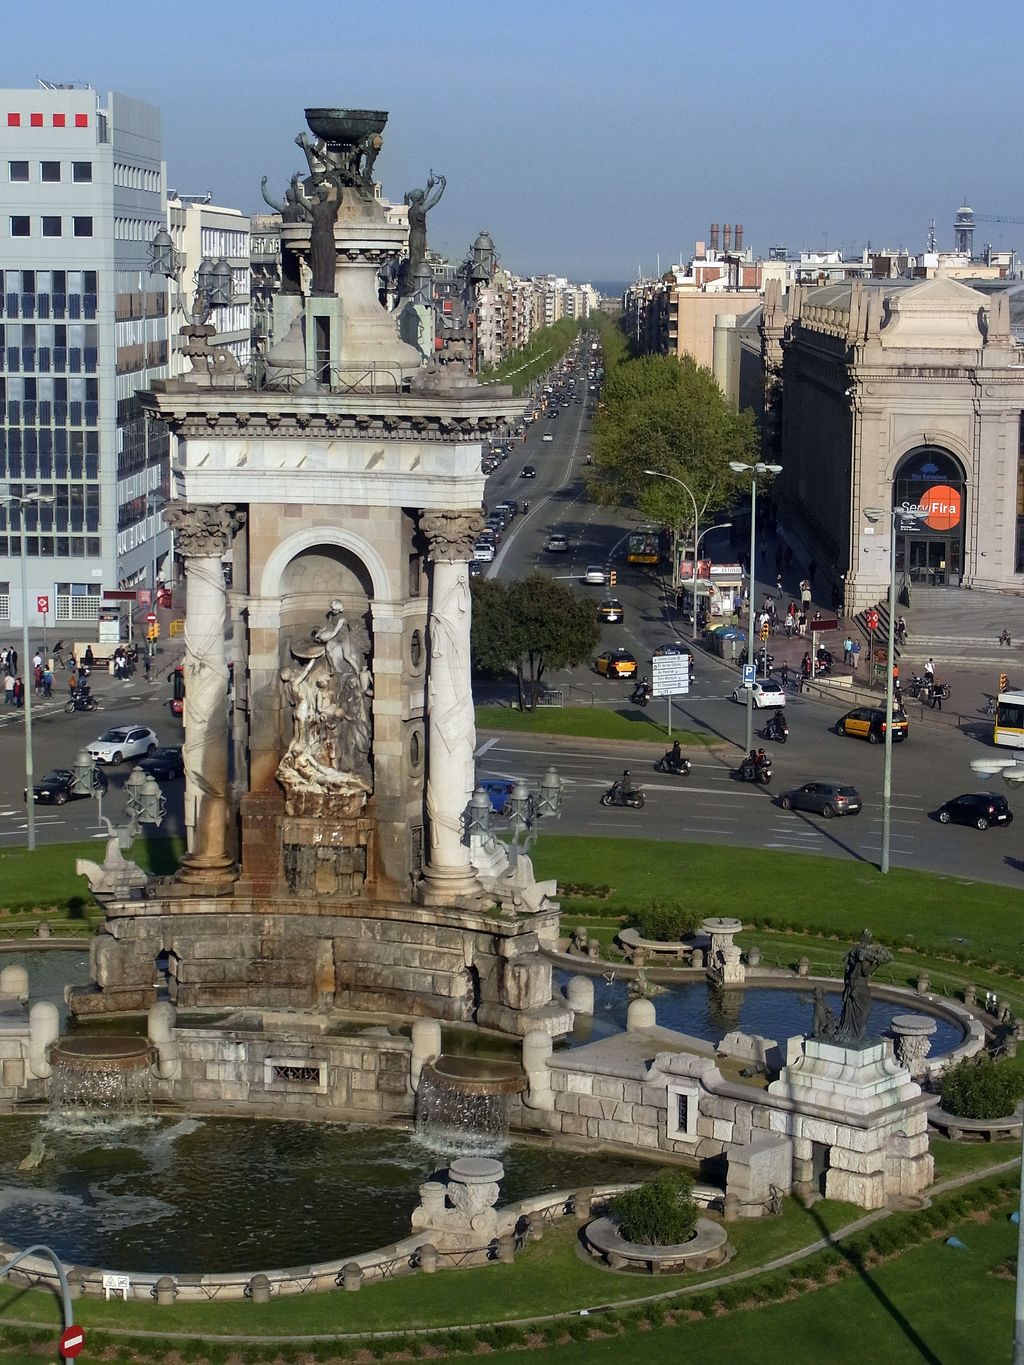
(710, 805)
(57, 739)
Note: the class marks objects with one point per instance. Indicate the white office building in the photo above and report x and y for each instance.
(83, 325)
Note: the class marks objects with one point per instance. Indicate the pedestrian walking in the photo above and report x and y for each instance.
(801, 624)
(1004, 638)
(805, 594)
(778, 584)
(936, 698)
(47, 683)
(8, 689)
(929, 672)
(19, 691)
(784, 674)
(847, 650)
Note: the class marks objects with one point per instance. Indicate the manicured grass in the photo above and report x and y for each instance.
(584, 722)
(934, 1304)
(954, 1159)
(925, 912)
(45, 879)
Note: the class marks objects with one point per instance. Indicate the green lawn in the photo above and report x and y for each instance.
(922, 911)
(585, 722)
(45, 879)
(933, 1304)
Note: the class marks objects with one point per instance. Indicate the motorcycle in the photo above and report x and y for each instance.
(615, 796)
(667, 764)
(776, 730)
(640, 695)
(81, 701)
(750, 772)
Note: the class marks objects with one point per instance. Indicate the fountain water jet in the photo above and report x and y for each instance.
(107, 1076)
(462, 1103)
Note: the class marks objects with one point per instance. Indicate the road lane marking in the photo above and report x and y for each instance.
(487, 744)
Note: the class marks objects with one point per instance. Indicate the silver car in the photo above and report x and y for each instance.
(827, 797)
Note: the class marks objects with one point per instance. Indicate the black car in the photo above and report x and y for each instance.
(475, 568)
(528, 471)
(58, 786)
(165, 765)
(979, 809)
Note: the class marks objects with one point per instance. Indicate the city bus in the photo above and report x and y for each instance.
(644, 546)
(1009, 726)
(176, 678)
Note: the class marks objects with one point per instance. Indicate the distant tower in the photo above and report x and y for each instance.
(931, 235)
(714, 236)
(483, 259)
(963, 230)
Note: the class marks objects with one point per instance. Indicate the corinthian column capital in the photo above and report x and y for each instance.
(203, 532)
(451, 535)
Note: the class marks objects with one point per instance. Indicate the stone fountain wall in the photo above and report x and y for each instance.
(281, 954)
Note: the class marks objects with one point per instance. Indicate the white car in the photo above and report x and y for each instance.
(124, 741)
(484, 551)
(595, 573)
(557, 543)
(547, 436)
(767, 692)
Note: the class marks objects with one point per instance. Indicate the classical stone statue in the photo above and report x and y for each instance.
(323, 211)
(292, 208)
(326, 768)
(420, 202)
(850, 1029)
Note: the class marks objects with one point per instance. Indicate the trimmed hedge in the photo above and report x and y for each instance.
(978, 1088)
(660, 1212)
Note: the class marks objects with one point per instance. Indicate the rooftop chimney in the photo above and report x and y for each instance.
(714, 236)
(739, 236)
(726, 236)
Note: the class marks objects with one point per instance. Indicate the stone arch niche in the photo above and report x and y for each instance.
(930, 491)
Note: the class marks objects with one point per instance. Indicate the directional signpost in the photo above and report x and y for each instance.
(670, 677)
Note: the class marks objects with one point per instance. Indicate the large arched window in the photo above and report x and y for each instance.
(931, 486)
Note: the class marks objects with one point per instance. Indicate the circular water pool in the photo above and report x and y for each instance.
(778, 1012)
(205, 1195)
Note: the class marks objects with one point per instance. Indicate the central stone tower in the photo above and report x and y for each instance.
(327, 863)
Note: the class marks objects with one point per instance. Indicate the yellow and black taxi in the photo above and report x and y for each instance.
(868, 722)
(616, 663)
(611, 610)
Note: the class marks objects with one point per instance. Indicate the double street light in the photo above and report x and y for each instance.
(31, 498)
(756, 471)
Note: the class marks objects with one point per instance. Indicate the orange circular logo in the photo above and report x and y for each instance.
(941, 506)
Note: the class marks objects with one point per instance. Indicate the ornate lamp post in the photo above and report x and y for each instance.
(755, 471)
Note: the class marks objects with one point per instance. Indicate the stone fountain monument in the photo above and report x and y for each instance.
(328, 866)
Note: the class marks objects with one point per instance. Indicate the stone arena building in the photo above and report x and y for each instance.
(902, 394)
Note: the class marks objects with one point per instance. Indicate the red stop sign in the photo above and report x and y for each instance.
(71, 1342)
(872, 620)
(150, 616)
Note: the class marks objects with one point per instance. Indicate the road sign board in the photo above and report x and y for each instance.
(42, 604)
(670, 675)
(72, 1341)
(150, 616)
(144, 597)
(824, 623)
(872, 620)
(749, 673)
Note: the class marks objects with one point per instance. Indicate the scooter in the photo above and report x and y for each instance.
(667, 764)
(80, 701)
(615, 796)
(750, 772)
(640, 695)
(776, 730)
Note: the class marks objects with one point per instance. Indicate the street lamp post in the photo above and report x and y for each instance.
(21, 501)
(657, 474)
(755, 471)
(874, 515)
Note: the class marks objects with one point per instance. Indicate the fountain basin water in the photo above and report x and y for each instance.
(100, 1074)
(462, 1103)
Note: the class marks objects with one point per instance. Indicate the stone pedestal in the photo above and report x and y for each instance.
(724, 964)
(460, 1215)
(912, 1035)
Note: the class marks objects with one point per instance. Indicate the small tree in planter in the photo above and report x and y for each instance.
(665, 922)
(661, 1212)
(982, 1089)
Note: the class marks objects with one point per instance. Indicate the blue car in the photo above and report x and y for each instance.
(498, 791)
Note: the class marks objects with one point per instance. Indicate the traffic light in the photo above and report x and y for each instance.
(764, 631)
(613, 577)
(153, 633)
(1004, 682)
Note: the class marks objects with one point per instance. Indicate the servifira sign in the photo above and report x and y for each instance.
(938, 509)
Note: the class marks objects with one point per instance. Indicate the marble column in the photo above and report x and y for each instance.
(202, 534)
(449, 876)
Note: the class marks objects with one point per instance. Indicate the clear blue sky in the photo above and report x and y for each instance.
(587, 138)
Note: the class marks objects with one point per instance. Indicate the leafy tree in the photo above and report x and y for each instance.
(544, 349)
(978, 1088)
(530, 626)
(670, 415)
